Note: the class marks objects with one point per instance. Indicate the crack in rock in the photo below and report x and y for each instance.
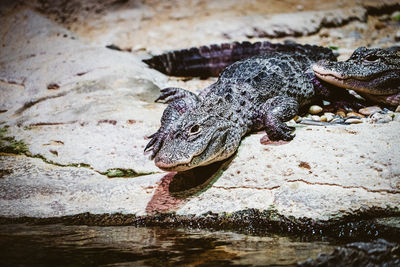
(29, 104)
(388, 191)
(246, 187)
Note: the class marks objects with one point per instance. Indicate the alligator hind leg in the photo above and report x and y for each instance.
(179, 101)
(274, 113)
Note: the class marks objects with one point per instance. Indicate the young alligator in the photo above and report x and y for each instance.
(372, 73)
(260, 92)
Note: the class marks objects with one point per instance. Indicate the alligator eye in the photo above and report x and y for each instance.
(194, 129)
(371, 58)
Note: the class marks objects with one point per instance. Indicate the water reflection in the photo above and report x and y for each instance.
(60, 245)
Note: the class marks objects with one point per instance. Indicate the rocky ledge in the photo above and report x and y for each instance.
(74, 118)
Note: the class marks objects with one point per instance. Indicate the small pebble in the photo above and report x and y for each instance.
(381, 118)
(380, 25)
(297, 118)
(354, 114)
(323, 118)
(315, 118)
(353, 121)
(397, 36)
(308, 117)
(396, 117)
(370, 110)
(337, 120)
(314, 110)
(329, 116)
(324, 33)
(397, 109)
(341, 113)
(385, 17)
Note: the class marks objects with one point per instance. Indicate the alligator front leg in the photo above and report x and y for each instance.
(274, 113)
(180, 101)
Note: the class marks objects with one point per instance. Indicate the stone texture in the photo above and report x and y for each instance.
(34, 188)
(100, 105)
(323, 173)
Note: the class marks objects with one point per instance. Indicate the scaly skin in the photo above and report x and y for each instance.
(372, 73)
(261, 92)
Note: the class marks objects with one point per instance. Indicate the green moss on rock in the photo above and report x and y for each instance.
(396, 17)
(9, 144)
(122, 173)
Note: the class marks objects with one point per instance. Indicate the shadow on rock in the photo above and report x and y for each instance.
(176, 187)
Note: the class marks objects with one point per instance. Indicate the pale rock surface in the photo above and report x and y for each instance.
(36, 189)
(323, 173)
(102, 110)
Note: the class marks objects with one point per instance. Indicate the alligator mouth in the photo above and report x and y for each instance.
(357, 83)
(176, 167)
(324, 72)
(188, 164)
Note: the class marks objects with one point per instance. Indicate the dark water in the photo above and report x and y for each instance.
(60, 245)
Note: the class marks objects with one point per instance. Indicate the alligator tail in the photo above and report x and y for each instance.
(207, 61)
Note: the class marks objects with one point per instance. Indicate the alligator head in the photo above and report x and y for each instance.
(373, 73)
(197, 138)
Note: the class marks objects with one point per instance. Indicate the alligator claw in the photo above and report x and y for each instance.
(280, 132)
(155, 143)
(150, 144)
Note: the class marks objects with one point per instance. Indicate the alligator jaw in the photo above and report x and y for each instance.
(356, 83)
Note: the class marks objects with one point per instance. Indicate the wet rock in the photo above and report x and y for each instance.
(376, 253)
(370, 110)
(314, 110)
